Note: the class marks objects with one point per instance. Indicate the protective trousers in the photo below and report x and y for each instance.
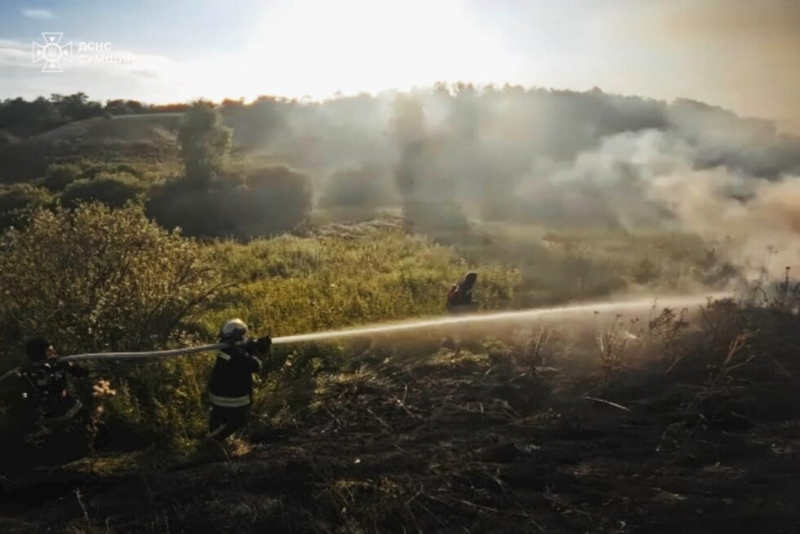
(224, 422)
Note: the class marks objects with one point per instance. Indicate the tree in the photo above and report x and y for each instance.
(124, 107)
(76, 106)
(204, 140)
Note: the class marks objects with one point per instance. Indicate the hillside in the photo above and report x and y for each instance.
(159, 128)
(661, 420)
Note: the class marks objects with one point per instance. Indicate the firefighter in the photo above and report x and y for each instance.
(230, 389)
(459, 298)
(47, 381)
(56, 412)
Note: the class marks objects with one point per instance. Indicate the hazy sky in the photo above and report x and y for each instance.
(740, 54)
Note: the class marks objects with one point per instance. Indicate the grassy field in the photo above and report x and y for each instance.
(688, 427)
(605, 424)
(666, 420)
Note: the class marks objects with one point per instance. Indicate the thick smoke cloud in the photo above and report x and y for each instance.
(653, 179)
(559, 159)
(744, 51)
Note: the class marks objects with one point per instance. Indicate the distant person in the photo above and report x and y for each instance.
(459, 298)
(230, 389)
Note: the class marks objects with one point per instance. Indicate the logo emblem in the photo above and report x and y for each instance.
(52, 52)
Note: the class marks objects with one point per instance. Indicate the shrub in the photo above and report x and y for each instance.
(18, 200)
(360, 188)
(195, 211)
(645, 271)
(114, 190)
(59, 176)
(274, 199)
(91, 169)
(6, 138)
(266, 201)
(98, 279)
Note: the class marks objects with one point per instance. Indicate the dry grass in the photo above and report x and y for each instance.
(484, 442)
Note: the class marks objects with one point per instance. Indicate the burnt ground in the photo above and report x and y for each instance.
(472, 444)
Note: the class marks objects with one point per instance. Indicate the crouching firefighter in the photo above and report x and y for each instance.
(459, 298)
(459, 301)
(54, 408)
(230, 389)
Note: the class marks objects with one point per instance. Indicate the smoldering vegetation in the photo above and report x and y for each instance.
(613, 422)
(455, 153)
(559, 159)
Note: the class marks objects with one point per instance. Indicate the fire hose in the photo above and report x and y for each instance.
(132, 355)
(615, 306)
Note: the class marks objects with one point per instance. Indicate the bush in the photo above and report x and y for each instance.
(18, 200)
(197, 212)
(266, 201)
(6, 138)
(101, 279)
(274, 199)
(363, 188)
(114, 190)
(92, 169)
(96, 279)
(59, 176)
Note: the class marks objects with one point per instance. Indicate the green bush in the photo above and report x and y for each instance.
(91, 168)
(18, 200)
(59, 176)
(97, 279)
(274, 199)
(113, 190)
(101, 279)
(266, 201)
(363, 188)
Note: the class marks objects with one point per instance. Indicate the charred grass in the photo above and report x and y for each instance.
(695, 431)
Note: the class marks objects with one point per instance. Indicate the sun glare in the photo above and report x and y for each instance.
(319, 47)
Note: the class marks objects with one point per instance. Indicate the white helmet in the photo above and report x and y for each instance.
(235, 328)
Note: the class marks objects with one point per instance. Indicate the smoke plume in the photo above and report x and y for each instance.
(558, 159)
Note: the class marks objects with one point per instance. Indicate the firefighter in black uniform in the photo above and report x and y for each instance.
(55, 410)
(230, 389)
(47, 381)
(459, 298)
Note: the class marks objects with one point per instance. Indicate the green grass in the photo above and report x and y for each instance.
(347, 275)
(341, 275)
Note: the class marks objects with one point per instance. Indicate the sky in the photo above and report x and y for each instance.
(743, 55)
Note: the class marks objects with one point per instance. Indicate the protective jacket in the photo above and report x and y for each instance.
(231, 383)
(47, 385)
(459, 296)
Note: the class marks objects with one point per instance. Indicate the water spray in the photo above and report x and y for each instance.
(407, 326)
